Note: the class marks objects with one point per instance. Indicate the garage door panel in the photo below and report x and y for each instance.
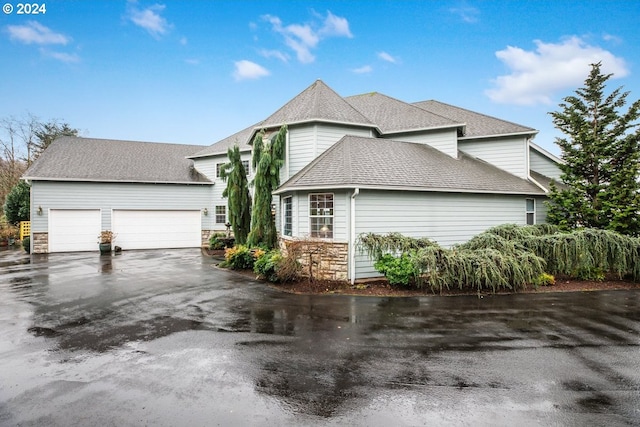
(74, 230)
(156, 229)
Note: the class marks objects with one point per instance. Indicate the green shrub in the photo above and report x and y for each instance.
(398, 270)
(274, 267)
(238, 257)
(266, 266)
(545, 279)
(26, 244)
(219, 241)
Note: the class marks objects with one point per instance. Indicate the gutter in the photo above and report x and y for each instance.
(352, 237)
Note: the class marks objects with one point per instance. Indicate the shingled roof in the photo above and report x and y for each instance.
(478, 125)
(395, 165)
(318, 102)
(89, 159)
(395, 116)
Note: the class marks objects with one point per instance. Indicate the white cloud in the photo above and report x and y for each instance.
(275, 54)
(466, 13)
(536, 75)
(36, 33)
(247, 70)
(611, 38)
(386, 57)
(335, 26)
(69, 58)
(302, 38)
(363, 70)
(149, 18)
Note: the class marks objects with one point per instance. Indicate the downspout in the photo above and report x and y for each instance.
(352, 237)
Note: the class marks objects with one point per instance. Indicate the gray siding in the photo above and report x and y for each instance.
(508, 153)
(446, 218)
(543, 165)
(207, 166)
(308, 141)
(445, 140)
(300, 226)
(109, 196)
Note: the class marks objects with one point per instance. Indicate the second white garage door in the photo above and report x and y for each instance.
(137, 229)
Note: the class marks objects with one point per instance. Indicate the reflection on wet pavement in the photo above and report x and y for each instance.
(161, 327)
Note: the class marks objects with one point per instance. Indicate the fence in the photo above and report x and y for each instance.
(25, 229)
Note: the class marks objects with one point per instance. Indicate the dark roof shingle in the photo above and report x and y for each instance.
(89, 159)
(388, 164)
(477, 124)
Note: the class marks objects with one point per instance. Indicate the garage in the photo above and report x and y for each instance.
(156, 229)
(74, 230)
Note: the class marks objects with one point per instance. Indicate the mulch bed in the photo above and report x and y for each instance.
(382, 288)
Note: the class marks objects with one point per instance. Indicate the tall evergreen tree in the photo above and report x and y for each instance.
(237, 193)
(268, 158)
(601, 152)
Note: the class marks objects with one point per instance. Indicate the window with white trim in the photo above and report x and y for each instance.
(530, 211)
(247, 169)
(321, 215)
(287, 216)
(221, 214)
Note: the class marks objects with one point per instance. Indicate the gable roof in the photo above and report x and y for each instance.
(72, 158)
(395, 116)
(318, 102)
(478, 125)
(241, 139)
(394, 165)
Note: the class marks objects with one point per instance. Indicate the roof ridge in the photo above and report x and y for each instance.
(470, 111)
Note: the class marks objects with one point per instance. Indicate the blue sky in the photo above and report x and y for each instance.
(197, 71)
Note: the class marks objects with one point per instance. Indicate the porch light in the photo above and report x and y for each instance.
(205, 211)
(39, 210)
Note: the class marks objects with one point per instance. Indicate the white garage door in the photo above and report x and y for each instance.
(73, 230)
(156, 229)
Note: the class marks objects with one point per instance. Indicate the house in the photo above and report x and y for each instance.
(365, 163)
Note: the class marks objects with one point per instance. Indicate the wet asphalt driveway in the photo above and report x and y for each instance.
(164, 338)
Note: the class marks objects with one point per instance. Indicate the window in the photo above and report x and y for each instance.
(321, 215)
(221, 214)
(531, 211)
(287, 221)
(218, 167)
(247, 170)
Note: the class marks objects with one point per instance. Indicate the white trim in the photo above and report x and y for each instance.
(333, 199)
(352, 237)
(283, 214)
(117, 181)
(499, 135)
(527, 211)
(544, 152)
(318, 189)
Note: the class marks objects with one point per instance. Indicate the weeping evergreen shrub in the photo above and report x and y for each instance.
(511, 256)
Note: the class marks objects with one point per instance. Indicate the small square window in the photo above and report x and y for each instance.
(221, 214)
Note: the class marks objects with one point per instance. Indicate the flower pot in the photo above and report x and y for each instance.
(105, 248)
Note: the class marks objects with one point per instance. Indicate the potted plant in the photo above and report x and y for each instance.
(105, 239)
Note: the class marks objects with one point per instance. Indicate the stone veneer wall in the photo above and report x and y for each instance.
(40, 243)
(206, 234)
(329, 260)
